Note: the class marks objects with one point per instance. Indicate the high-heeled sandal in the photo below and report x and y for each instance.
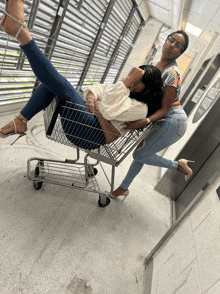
(183, 167)
(125, 193)
(23, 24)
(15, 132)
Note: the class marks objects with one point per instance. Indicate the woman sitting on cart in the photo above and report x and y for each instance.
(139, 95)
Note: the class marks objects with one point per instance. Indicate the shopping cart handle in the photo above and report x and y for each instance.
(59, 104)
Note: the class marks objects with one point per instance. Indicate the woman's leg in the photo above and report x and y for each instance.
(133, 171)
(41, 98)
(169, 132)
(48, 75)
(41, 66)
(55, 83)
(80, 126)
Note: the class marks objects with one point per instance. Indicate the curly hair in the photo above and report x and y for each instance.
(152, 94)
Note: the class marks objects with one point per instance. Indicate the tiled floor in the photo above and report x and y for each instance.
(58, 240)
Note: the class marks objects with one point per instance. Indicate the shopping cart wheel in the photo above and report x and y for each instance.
(92, 172)
(37, 184)
(103, 200)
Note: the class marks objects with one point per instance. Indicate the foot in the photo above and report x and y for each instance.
(16, 9)
(119, 192)
(183, 168)
(21, 127)
(12, 27)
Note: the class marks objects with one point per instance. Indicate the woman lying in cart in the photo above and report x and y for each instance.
(139, 95)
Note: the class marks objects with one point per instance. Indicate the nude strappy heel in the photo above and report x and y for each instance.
(183, 167)
(23, 24)
(15, 132)
(125, 194)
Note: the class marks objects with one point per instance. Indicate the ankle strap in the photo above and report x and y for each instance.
(21, 119)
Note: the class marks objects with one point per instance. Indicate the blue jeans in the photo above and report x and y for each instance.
(54, 84)
(164, 133)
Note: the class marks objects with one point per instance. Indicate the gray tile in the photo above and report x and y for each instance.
(208, 260)
(166, 277)
(188, 281)
(184, 252)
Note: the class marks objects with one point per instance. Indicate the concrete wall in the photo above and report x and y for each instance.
(143, 7)
(143, 46)
(189, 262)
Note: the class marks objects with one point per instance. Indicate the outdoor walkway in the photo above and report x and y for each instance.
(57, 240)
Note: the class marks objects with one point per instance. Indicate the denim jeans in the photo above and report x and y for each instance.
(165, 132)
(54, 84)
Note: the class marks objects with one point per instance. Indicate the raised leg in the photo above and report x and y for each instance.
(50, 78)
(166, 134)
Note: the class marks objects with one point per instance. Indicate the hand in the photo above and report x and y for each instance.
(90, 96)
(96, 104)
(93, 108)
(90, 107)
(134, 125)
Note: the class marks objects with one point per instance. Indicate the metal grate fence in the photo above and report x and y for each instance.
(87, 41)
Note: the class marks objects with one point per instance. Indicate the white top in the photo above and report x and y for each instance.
(116, 103)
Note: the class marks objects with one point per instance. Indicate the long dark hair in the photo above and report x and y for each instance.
(152, 94)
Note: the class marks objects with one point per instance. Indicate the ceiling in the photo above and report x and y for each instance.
(204, 14)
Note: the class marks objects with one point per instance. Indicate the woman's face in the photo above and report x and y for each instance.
(137, 87)
(173, 46)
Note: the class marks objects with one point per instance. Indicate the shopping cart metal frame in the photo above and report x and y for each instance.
(71, 172)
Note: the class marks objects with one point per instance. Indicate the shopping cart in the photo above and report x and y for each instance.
(64, 124)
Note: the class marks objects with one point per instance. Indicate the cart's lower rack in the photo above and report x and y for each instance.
(62, 173)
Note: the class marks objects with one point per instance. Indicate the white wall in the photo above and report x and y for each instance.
(202, 54)
(189, 262)
(215, 48)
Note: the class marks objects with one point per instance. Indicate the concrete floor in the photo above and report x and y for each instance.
(58, 240)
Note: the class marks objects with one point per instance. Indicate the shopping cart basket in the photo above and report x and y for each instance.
(67, 123)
